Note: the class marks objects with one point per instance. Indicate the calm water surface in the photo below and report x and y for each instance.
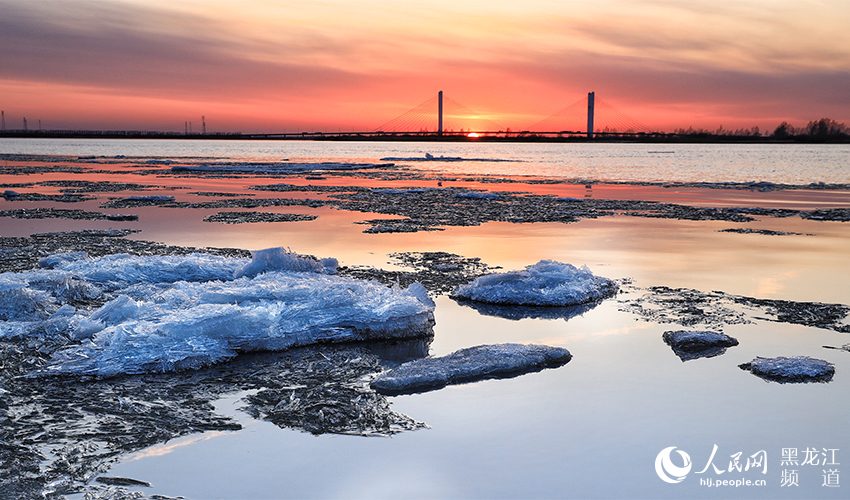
(791, 163)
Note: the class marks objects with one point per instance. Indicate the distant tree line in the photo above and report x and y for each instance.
(825, 128)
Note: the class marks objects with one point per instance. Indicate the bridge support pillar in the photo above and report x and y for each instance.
(591, 103)
(440, 113)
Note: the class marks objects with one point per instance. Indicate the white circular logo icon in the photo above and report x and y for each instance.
(667, 470)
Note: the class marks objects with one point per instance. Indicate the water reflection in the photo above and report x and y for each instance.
(517, 313)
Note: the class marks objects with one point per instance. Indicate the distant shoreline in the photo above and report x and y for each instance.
(516, 137)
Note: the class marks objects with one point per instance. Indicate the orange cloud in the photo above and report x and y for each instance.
(344, 65)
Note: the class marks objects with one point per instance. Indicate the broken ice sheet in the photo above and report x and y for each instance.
(182, 312)
(689, 307)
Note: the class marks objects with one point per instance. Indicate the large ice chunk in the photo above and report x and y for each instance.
(190, 325)
(694, 344)
(164, 313)
(547, 283)
(469, 365)
(282, 259)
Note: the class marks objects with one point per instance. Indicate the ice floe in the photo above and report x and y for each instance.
(793, 369)
(166, 313)
(469, 365)
(547, 283)
(694, 344)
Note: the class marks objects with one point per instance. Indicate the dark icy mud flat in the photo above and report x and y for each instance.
(690, 344)
(219, 194)
(59, 434)
(254, 217)
(78, 186)
(227, 202)
(22, 253)
(61, 213)
(828, 214)
(689, 307)
(139, 201)
(10, 195)
(766, 232)
(796, 369)
(284, 167)
(469, 365)
(429, 209)
(439, 272)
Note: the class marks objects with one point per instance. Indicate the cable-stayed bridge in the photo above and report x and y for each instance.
(439, 117)
(443, 117)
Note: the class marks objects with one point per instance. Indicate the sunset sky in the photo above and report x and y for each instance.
(268, 65)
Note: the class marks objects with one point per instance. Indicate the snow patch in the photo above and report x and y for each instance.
(547, 283)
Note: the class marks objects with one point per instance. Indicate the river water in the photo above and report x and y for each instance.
(779, 163)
